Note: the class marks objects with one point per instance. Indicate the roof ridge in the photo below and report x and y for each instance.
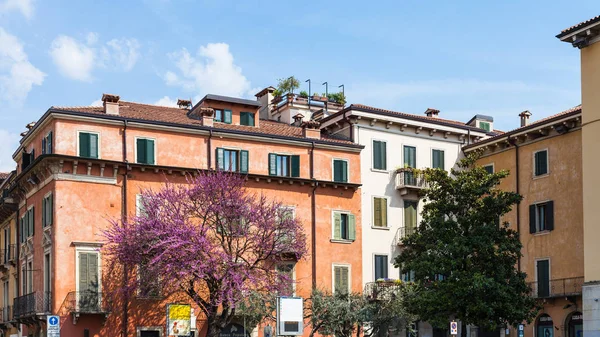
(74, 106)
(155, 105)
(411, 114)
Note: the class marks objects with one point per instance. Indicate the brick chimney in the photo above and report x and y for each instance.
(205, 115)
(432, 112)
(111, 104)
(311, 129)
(525, 117)
(184, 103)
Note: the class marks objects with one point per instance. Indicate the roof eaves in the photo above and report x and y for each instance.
(578, 26)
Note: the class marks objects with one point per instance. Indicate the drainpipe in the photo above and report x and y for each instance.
(209, 150)
(313, 208)
(124, 219)
(513, 142)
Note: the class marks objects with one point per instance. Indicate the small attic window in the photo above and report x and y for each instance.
(484, 125)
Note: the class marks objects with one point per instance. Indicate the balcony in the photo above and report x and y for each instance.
(8, 256)
(557, 288)
(86, 303)
(382, 290)
(30, 305)
(407, 181)
(402, 233)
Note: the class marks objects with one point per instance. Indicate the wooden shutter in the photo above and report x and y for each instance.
(44, 145)
(377, 155)
(44, 214)
(220, 159)
(337, 225)
(438, 159)
(410, 214)
(541, 163)
(351, 227)
(543, 278)
(88, 272)
(94, 146)
(31, 221)
(227, 117)
(344, 282)
(383, 202)
(21, 230)
(295, 162)
(150, 155)
(250, 119)
(383, 155)
(550, 215)
(531, 218)
(50, 148)
(376, 212)
(344, 166)
(410, 159)
(50, 208)
(141, 149)
(272, 164)
(337, 278)
(84, 144)
(244, 161)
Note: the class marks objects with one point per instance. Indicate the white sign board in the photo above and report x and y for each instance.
(453, 328)
(290, 317)
(53, 326)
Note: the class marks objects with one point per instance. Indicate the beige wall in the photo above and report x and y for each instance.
(590, 86)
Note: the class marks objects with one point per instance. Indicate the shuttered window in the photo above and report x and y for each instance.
(484, 125)
(246, 118)
(543, 278)
(227, 116)
(88, 273)
(340, 171)
(437, 158)
(541, 163)
(379, 212)
(145, 151)
(341, 279)
(379, 155)
(88, 145)
(381, 267)
(284, 165)
(489, 168)
(410, 214)
(541, 217)
(344, 226)
(232, 160)
(47, 147)
(47, 210)
(218, 115)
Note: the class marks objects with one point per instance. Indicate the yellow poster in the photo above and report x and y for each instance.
(178, 320)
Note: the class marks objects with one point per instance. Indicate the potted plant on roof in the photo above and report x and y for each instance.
(302, 96)
(276, 96)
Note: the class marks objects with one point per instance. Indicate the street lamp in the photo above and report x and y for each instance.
(308, 93)
(326, 96)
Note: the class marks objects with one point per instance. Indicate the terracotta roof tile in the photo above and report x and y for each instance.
(579, 25)
(164, 114)
(404, 114)
(4, 175)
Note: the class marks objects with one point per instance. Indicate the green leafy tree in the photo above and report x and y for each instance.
(463, 259)
(286, 85)
(338, 314)
(386, 310)
(338, 97)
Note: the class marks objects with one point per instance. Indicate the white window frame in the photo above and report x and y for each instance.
(139, 329)
(375, 264)
(492, 165)
(339, 264)
(347, 173)
(99, 142)
(373, 155)
(547, 164)
(431, 149)
(135, 149)
(333, 225)
(88, 249)
(294, 281)
(387, 206)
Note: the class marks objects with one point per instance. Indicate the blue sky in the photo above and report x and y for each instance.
(461, 57)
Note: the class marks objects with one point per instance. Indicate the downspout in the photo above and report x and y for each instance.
(513, 142)
(313, 211)
(209, 150)
(124, 219)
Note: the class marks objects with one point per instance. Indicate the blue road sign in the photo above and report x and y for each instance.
(53, 326)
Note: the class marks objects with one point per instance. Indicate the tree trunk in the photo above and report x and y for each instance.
(214, 328)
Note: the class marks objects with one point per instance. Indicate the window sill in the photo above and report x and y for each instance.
(540, 176)
(341, 241)
(380, 228)
(379, 171)
(540, 233)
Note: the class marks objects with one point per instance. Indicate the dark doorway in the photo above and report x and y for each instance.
(150, 333)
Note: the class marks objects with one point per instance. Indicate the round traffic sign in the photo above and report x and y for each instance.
(53, 320)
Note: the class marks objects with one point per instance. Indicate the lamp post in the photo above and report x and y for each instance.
(342, 86)
(326, 96)
(308, 93)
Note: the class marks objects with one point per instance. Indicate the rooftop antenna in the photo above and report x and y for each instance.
(343, 94)
(326, 96)
(308, 93)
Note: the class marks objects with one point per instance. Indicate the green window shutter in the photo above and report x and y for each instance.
(543, 278)
(410, 214)
(93, 272)
(220, 159)
(44, 214)
(376, 212)
(272, 164)
(227, 117)
(410, 156)
(383, 202)
(383, 151)
(351, 227)
(345, 171)
(32, 221)
(83, 272)
(438, 159)
(550, 215)
(50, 208)
(377, 155)
(336, 170)
(531, 218)
(150, 155)
(94, 145)
(541, 163)
(49, 145)
(84, 144)
(337, 278)
(44, 145)
(344, 282)
(295, 161)
(243, 161)
(250, 119)
(141, 149)
(243, 118)
(21, 230)
(337, 225)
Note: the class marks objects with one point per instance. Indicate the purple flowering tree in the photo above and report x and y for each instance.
(210, 239)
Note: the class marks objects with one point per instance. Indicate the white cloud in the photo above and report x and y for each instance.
(77, 60)
(8, 144)
(74, 60)
(23, 6)
(97, 102)
(211, 70)
(17, 74)
(166, 101)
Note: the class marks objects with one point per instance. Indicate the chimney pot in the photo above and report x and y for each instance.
(432, 112)
(311, 129)
(111, 104)
(525, 117)
(184, 103)
(298, 119)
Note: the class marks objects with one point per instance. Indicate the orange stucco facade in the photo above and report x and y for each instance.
(562, 245)
(88, 194)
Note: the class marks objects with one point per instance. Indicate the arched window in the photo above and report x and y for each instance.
(544, 327)
(575, 325)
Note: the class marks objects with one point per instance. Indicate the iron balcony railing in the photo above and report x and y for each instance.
(407, 178)
(7, 314)
(382, 290)
(402, 233)
(32, 304)
(86, 302)
(557, 287)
